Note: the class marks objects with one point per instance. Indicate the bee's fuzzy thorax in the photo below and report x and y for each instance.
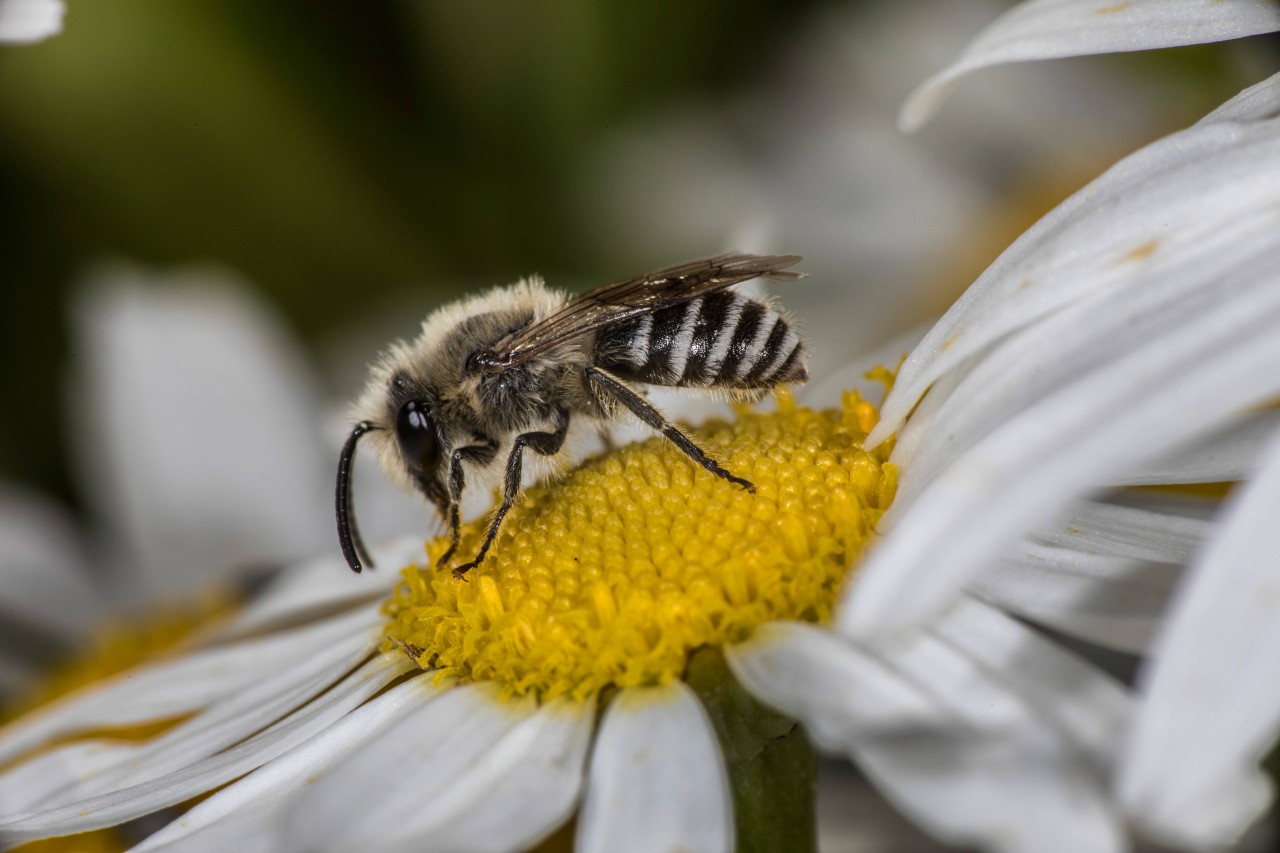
(435, 358)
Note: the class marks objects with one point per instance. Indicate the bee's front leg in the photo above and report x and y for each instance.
(480, 453)
(542, 443)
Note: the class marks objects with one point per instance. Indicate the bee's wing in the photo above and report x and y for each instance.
(614, 303)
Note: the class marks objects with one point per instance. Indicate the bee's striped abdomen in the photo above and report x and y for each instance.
(721, 340)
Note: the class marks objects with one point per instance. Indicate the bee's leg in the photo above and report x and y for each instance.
(456, 483)
(607, 384)
(542, 443)
(482, 453)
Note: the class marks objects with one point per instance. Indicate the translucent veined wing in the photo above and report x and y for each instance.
(614, 303)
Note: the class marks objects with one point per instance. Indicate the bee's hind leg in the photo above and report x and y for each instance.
(605, 383)
(542, 443)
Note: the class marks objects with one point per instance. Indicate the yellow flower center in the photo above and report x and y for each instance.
(615, 574)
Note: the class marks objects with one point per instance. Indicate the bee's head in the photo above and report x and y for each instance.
(404, 418)
(418, 439)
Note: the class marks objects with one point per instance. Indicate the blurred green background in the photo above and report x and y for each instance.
(331, 151)
(342, 155)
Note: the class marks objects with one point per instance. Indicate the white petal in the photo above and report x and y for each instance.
(196, 419)
(319, 585)
(467, 771)
(1212, 706)
(1223, 455)
(986, 734)
(83, 770)
(522, 789)
(1089, 707)
(1160, 308)
(1257, 103)
(170, 688)
(657, 780)
(1026, 471)
(1112, 601)
(1094, 527)
(1050, 29)
(44, 577)
(30, 20)
(250, 815)
(1195, 193)
(205, 775)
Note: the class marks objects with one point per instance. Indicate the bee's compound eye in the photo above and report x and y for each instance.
(416, 435)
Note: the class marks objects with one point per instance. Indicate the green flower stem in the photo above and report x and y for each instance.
(772, 766)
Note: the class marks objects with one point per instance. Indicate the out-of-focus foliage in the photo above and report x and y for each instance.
(331, 151)
(364, 159)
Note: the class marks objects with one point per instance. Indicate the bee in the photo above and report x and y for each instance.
(506, 372)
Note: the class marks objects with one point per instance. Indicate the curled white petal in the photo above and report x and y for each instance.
(1205, 192)
(1156, 310)
(1259, 102)
(657, 781)
(1050, 29)
(1212, 690)
(1029, 468)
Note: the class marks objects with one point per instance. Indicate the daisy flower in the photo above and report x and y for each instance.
(610, 671)
(1207, 714)
(150, 350)
(184, 388)
(24, 21)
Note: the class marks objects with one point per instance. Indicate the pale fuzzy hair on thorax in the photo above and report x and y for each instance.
(417, 356)
(528, 293)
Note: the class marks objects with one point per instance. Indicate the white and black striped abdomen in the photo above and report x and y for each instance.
(721, 340)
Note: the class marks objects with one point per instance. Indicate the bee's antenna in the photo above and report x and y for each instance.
(353, 549)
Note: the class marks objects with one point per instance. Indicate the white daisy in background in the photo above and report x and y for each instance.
(185, 389)
(45, 592)
(892, 227)
(1128, 338)
(25, 21)
(1208, 710)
